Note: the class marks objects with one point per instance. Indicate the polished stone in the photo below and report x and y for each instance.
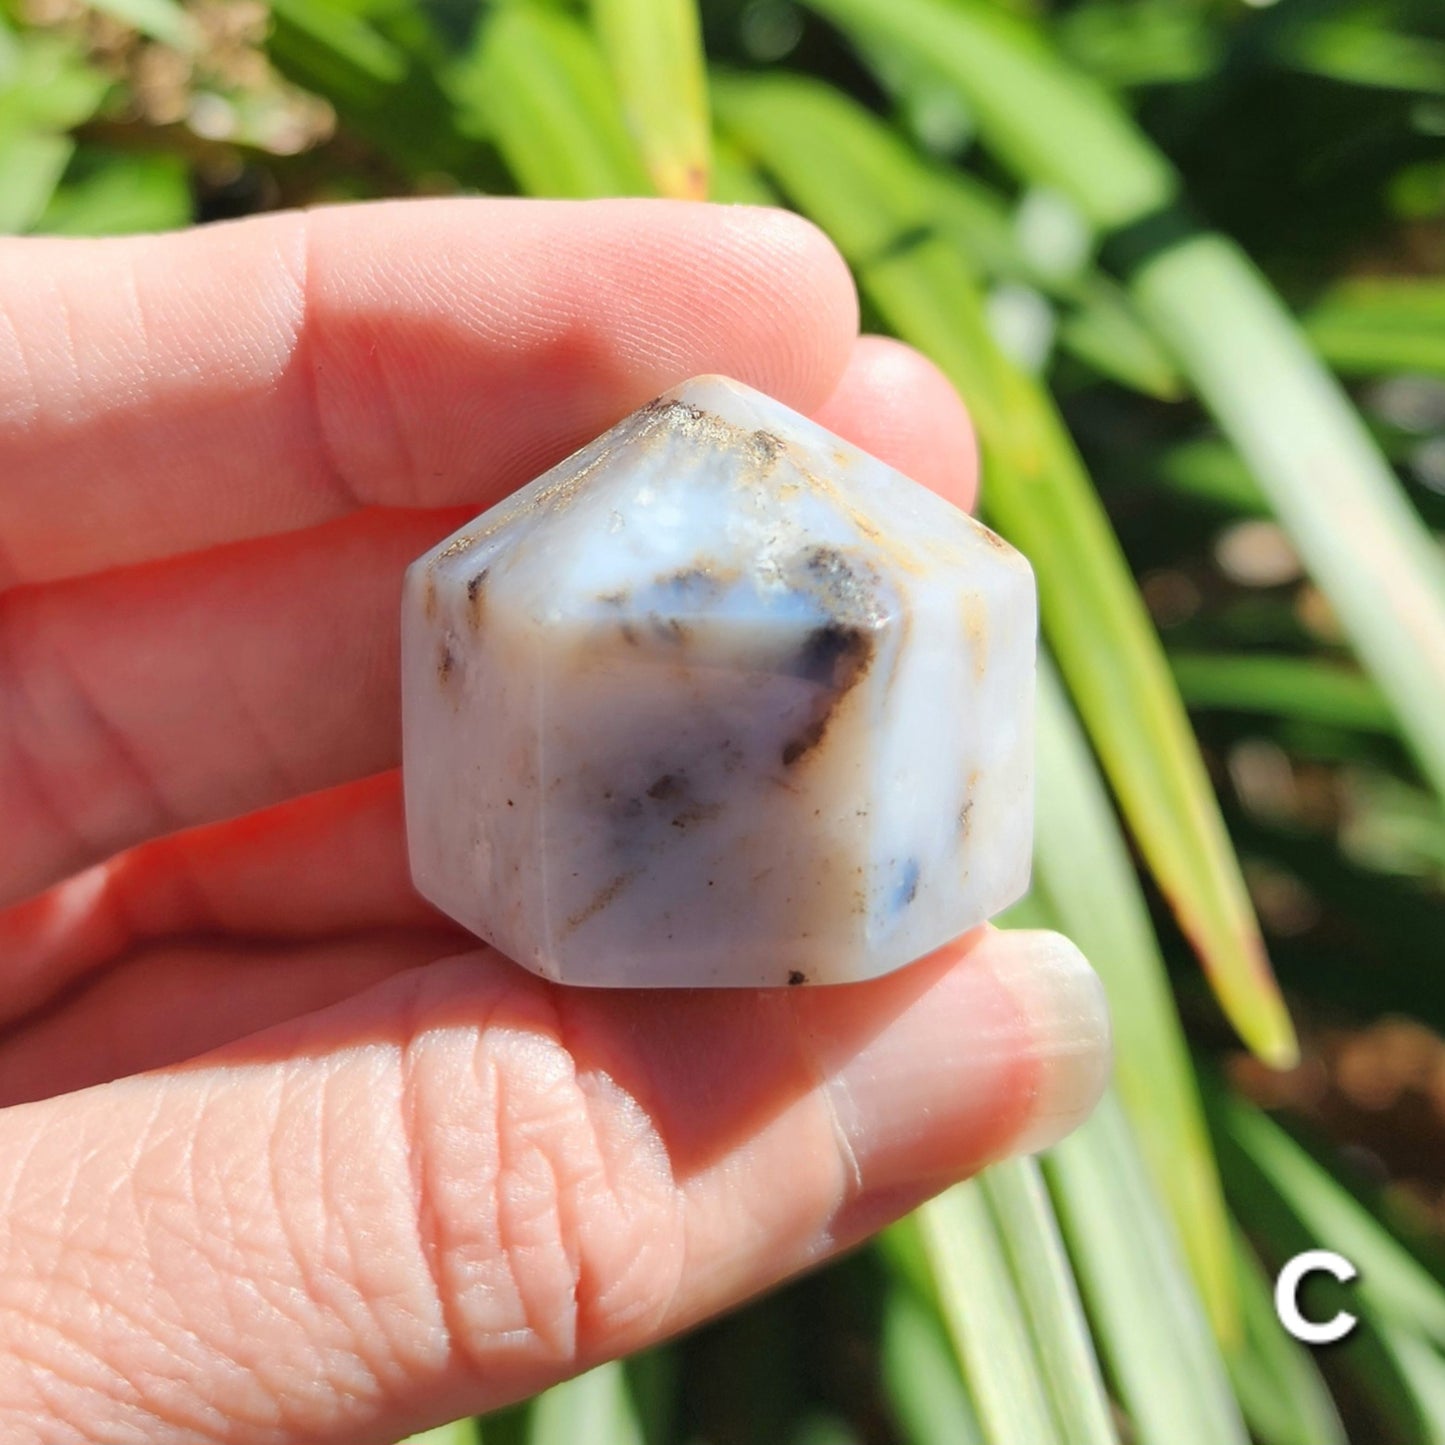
(719, 700)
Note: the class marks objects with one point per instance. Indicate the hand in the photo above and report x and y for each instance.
(283, 1155)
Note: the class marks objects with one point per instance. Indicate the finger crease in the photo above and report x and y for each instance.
(304, 354)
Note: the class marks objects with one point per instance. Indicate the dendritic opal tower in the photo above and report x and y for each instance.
(719, 700)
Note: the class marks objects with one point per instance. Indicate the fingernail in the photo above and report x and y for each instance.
(1068, 1012)
(1000, 1051)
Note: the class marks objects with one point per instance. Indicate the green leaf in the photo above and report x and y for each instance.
(538, 87)
(1054, 124)
(1275, 1378)
(1279, 1185)
(1334, 493)
(1029, 1236)
(46, 85)
(879, 204)
(110, 195)
(1147, 1319)
(1098, 325)
(1021, 1398)
(655, 50)
(734, 181)
(459, 1432)
(1210, 471)
(1083, 868)
(1292, 1204)
(1291, 687)
(1423, 1373)
(30, 170)
(1377, 325)
(1360, 53)
(1244, 355)
(593, 1409)
(1104, 332)
(162, 20)
(823, 1428)
(1141, 42)
(343, 33)
(920, 1376)
(380, 64)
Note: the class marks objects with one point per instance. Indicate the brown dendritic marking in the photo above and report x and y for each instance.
(477, 597)
(796, 977)
(429, 595)
(446, 664)
(837, 654)
(766, 447)
(965, 811)
(669, 785)
(600, 900)
(685, 810)
(836, 657)
(696, 813)
(695, 586)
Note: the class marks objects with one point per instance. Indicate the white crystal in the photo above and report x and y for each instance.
(719, 700)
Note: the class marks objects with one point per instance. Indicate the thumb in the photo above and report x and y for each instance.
(465, 1184)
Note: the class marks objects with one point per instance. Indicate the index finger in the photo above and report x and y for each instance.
(162, 394)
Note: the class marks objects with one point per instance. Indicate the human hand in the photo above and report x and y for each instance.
(284, 1156)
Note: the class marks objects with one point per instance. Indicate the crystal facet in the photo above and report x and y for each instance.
(719, 700)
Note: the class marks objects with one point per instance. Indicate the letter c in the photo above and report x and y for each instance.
(1286, 1296)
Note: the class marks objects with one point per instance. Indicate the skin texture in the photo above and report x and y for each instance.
(283, 1156)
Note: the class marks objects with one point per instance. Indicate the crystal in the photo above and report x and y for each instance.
(719, 700)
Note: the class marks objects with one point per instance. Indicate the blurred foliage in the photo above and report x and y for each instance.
(1183, 257)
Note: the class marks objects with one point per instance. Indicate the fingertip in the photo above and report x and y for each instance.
(790, 286)
(1070, 1040)
(896, 404)
(994, 1046)
(541, 323)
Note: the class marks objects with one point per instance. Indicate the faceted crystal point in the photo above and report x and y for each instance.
(719, 700)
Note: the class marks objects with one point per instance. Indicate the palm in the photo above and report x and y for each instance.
(377, 1176)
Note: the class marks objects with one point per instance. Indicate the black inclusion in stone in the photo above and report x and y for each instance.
(831, 653)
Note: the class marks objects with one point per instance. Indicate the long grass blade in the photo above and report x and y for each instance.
(983, 1317)
(163, 20)
(920, 1376)
(1292, 687)
(1029, 1236)
(1147, 1320)
(1244, 355)
(868, 191)
(340, 31)
(986, 1319)
(1278, 1385)
(1097, 323)
(30, 170)
(127, 194)
(1309, 1209)
(1054, 124)
(46, 84)
(459, 1432)
(1083, 869)
(1375, 325)
(593, 1409)
(1328, 483)
(538, 86)
(655, 50)
(1392, 1357)
(1359, 52)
